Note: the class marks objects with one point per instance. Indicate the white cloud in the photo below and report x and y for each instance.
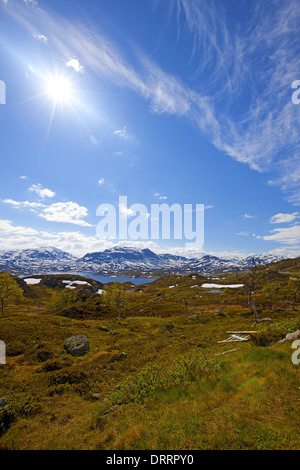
(23, 177)
(283, 218)
(244, 234)
(247, 216)
(286, 235)
(122, 133)
(126, 211)
(41, 37)
(7, 228)
(101, 182)
(75, 64)
(23, 204)
(267, 125)
(160, 196)
(42, 192)
(66, 212)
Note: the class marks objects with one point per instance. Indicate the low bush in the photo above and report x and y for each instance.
(270, 334)
(158, 377)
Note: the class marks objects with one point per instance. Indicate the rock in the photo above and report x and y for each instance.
(291, 337)
(96, 396)
(194, 317)
(110, 410)
(118, 357)
(104, 328)
(206, 320)
(77, 345)
(2, 403)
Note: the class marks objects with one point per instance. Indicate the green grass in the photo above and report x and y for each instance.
(171, 391)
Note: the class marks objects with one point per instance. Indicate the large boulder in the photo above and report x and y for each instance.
(77, 345)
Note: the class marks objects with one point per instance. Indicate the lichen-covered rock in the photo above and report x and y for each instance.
(77, 345)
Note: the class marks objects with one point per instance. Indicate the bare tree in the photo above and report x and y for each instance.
(185, 303)
(250, 282)
(294, 289)
(116, 296)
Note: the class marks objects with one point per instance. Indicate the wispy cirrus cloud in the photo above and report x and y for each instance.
(239, 91)
(122, 133)
(41, 37)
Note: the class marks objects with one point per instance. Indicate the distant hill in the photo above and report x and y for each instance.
(130, 261)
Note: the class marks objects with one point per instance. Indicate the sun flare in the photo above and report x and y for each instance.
(59, 88)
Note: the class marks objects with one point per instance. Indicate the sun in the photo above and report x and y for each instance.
(59, 88)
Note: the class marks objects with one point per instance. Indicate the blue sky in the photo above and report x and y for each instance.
(174, 101)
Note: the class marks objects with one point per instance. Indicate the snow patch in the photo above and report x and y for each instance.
(219, 286)
(32, 281)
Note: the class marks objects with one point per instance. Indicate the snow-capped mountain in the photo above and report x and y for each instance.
(120, 260)
(35, 260)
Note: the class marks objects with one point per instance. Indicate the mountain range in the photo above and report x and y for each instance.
(120, 260)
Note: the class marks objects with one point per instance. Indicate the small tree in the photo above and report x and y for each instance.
(250, 281)
(186, 303)
(9, 290)
(270, 290)
(116, 296)
(294, 289)
(62, 300)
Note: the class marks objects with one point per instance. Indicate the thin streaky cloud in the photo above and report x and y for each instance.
(262, 134)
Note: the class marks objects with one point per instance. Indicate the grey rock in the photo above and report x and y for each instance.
(194, 317)
(104, 328)
(96, 396)
(118, 357)
(77, 345)
(2, 403)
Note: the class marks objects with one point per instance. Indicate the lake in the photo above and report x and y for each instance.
(105, 279)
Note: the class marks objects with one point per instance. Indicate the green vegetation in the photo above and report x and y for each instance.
(62, 300)
(9, 290)
(153, 378)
